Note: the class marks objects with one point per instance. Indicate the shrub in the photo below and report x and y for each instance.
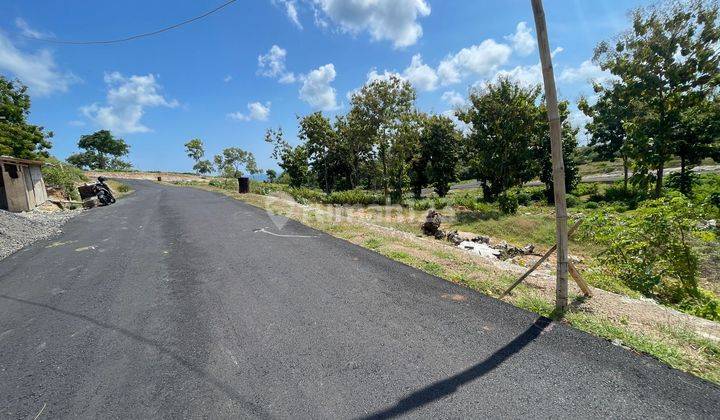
(440, 203)
(480, 211)
(583, 189)
(353, 197)
(306, 195)
(225, 183)
(649, 248)
(465, 200)
(536, 193)
(524, 198)
(572, 201)
(123, 188)
(508, 203)
(63, 175)
(591, 205)
(421, 205)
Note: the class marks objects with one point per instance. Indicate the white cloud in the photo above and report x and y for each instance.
(587, 71)
(374, 75)
(422, 76)
(257, 112)
(392, 20)
(461, 126)
(454, 99)
(481, 60)
(227, 79)
(290, 10)
(37, 70)
(525, 75)
(522, 40)
(126, 101)
(272, 65)
(26, 30)
(316, 89)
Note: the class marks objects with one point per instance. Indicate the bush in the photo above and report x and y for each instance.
(63, 175)
(572, 201)
(225, 183)
(649, 248)
(306, 195)
(508, 203)
(421, 205)
(123, 188)
(465, 200)
(523, 198)
(591, 205)
(536, 193)
(480, 211)
(583, 189)
(440, 203)
(353, 197)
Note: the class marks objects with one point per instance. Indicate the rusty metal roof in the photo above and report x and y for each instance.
(11, 159)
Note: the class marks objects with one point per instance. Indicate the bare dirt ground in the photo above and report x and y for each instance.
(151, 176)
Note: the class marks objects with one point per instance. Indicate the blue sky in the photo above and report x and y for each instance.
(259, 63)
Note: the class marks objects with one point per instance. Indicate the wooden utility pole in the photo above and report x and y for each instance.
(561, 287)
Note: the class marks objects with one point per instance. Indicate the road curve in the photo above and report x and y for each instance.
(176, 303)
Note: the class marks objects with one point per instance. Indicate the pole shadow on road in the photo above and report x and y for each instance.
(162, 348)
(445, 387)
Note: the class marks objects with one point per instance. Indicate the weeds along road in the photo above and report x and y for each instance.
(169, 304)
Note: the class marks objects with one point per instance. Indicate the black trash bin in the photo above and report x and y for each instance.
(243, 185)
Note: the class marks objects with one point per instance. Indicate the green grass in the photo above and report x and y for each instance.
(373, 244)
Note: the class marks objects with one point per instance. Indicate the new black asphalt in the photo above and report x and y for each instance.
(171, 304)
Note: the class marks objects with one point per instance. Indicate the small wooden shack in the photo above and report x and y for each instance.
(21, 184)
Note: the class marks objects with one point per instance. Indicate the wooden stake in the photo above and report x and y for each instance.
(538, 262)
(561, 286)
(579, 280)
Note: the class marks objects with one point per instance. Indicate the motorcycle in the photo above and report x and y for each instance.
(103, 192)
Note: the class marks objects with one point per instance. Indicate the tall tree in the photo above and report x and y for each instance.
(233, 160)
(102, 151)
(505, 124)
(324, 150)
(378, 110)
(668, 63)
(196, 151)
(293, 160)
(17, 137)
(440, 149)
(607, 133)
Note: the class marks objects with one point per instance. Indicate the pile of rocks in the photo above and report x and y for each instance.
(478, 245)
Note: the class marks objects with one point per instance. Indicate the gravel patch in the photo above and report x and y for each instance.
(18, 230)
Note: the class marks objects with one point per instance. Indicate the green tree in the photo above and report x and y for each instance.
(17, 137)
(293, 160)
(102, 151)
(271, 175)
(505, 125)
(378, 110)
(324, 151)
(231, 162)
(607, 133)
(440, 144)
(203, 167)
(668, 63)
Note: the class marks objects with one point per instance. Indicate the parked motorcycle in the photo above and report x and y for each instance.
(103, 192)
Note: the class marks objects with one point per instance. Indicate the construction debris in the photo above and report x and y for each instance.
(479, 245)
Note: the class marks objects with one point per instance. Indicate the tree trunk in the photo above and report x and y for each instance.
(684, 182)
(659, 180)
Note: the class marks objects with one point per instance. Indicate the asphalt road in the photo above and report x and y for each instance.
(170, 304)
